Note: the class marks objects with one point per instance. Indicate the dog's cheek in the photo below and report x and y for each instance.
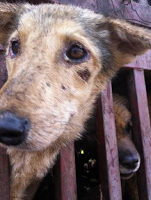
(48, 128)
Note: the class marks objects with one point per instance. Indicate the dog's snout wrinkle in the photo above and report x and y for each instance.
(13, 130)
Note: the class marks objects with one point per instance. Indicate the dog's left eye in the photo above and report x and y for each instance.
(14, 48)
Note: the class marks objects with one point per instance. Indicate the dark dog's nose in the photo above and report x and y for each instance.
(129, 161)
(13, 130)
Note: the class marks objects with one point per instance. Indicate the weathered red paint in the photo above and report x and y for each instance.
(142, 129)
(107, 147)
(143, 62)
(131, 11)
(4, 176)
(68, 173)
(57, 175)
(4, 164)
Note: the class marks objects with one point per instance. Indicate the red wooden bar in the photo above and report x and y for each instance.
(4, 164)
(67, 174)
(143, 62)
(107, 147)
(4, 176)
(142, 130)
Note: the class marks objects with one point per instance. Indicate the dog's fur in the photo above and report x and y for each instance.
(54, 93)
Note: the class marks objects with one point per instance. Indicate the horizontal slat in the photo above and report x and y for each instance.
(142, 62)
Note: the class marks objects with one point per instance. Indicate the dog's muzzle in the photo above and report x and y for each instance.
(129, 164)
(130, 161)
(13, 130)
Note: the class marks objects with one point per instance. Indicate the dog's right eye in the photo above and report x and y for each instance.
(14, 48)
(76, 53)
(129, 128)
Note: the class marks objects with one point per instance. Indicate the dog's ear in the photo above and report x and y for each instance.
(119, 43)
(126, 41)
(9, 15)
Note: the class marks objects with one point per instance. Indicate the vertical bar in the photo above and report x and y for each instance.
(68, 173)
(107, 148)
(142, 130)
(4, 176)
(4, 163)
(57, 180)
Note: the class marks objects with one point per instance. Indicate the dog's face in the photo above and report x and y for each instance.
(129, 158)
(58, 59)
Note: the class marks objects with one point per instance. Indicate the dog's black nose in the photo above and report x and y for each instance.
(13, 130)
(129, 161)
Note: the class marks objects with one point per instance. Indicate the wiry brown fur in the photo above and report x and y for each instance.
(45, 87)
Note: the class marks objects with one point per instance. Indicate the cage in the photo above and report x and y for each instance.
(134, 80)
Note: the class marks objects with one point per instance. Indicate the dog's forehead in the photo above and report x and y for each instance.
(56, 24)
(47, 17)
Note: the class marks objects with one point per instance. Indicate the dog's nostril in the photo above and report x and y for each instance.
(25, 124)
(13, 130)
(25, 121)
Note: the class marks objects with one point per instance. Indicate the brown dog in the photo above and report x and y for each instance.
(129, 158)
(58, 58)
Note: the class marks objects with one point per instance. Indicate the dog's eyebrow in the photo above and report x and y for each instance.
(78, 34)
